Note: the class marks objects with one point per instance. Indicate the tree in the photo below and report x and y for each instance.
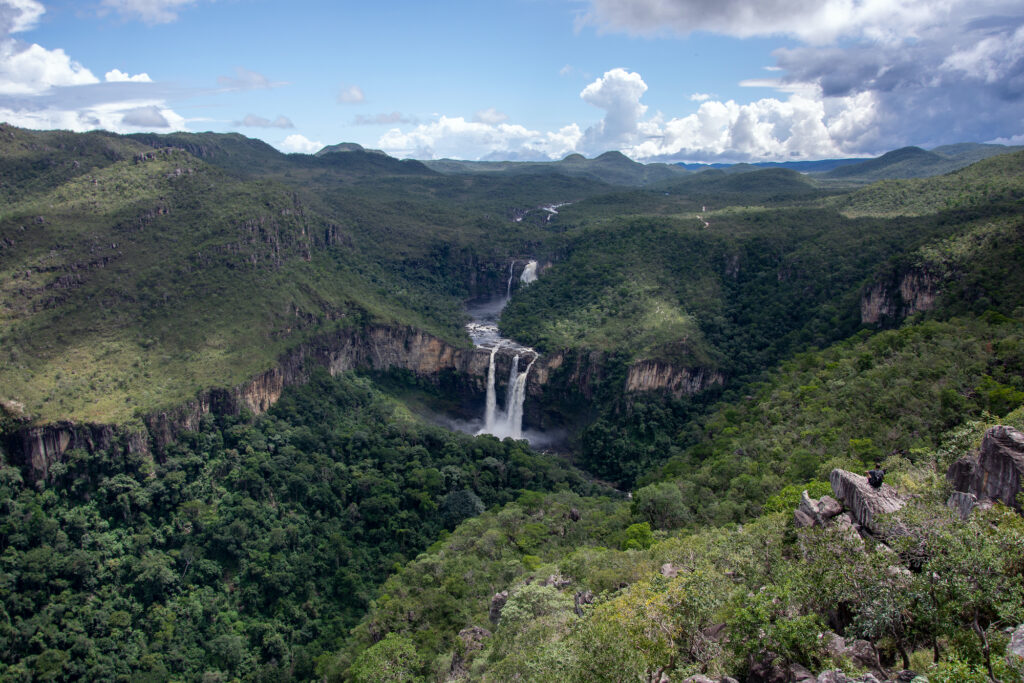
(392, 660)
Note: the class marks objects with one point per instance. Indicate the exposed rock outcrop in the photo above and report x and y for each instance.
(898, 295)
(994, 473)
(864, 502)
(36, 449)
(653, 375)
(470, 640)
(498, 601)
(1015, 650)
(963, 503)
(375, 347)
(819, 512)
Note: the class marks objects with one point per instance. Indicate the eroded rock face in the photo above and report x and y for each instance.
(864, 503)
(897, 296)
(498, 601)
(652, 375)
(963, 503)
(470, 640)
(995, 473)
(36, 449)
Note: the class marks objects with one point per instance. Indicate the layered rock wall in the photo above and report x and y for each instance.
(653, 375)
(994, 473)
(377, 347)
(893, 298)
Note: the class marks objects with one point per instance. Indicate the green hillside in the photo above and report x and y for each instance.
(995, 181)
(340, 536)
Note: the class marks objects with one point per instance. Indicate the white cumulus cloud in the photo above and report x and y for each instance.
(118, 76)
(301, 144)
(32, 69)
(455, 137)
(19, 15)
(618, 92)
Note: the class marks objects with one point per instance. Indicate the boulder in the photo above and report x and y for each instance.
(767, 669)
(470, 640)
(799, 674)
(580, 599)
(960, 474)
(819, 512)
(829, 507)
(832, 676)
(699, 678)
(863, 501)
(1015, 650)
(963, 503)
(995, 474)
(802, 519)
(556, 581)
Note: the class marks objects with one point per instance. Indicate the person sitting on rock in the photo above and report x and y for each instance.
(876, 476)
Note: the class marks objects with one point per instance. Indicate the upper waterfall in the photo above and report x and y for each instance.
(529, 273)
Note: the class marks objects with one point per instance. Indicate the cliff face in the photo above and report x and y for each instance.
(652, 375)
(378, 347)
(35, 449)
(896, 296)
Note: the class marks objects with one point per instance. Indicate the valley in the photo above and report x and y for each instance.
(272, 416)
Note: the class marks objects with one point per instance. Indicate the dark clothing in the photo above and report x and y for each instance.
(875, 478)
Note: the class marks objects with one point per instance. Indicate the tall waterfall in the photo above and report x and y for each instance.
(508, 287)
(492, 398)
(529, 273)
(508, 422)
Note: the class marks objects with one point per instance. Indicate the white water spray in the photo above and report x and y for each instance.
(508, 422)
(529, 273)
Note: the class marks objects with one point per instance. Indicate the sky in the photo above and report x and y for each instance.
(659, 80)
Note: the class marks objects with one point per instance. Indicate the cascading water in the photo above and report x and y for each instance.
(491, 409)
(483, 330)
(510, 421)
(508, 287)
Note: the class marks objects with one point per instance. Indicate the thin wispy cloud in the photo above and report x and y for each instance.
(253, 121)
(244, 79)
(351, 94)
(391, 119)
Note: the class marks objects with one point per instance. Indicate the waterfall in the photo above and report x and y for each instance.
(529, 273)
(510, 421)
(508, 288)
(492, 397)
(517, 397)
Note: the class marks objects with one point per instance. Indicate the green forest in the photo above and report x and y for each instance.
(341, 532)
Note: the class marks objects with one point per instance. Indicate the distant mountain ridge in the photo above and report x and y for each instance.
(906, 162)
(611, 167)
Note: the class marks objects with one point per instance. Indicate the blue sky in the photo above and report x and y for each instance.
(661, 80)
